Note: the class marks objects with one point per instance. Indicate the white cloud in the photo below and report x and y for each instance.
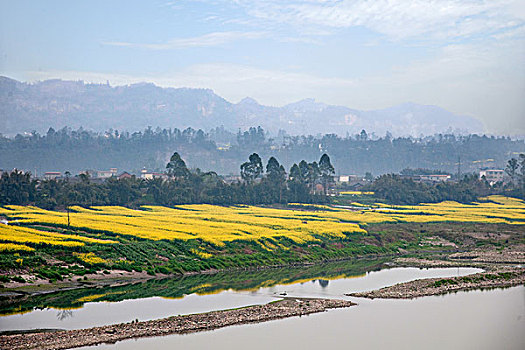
(397, 19)
(300, 39)
(515, 33)
(207, 40)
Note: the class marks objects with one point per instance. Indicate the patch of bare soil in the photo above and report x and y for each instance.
(508, 255)
(438, 241)
(488, 235)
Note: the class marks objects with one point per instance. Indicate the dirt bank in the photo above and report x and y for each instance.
(497, 278)
(288, 307)
(508, 255)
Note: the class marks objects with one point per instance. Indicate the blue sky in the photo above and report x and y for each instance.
(465, 56)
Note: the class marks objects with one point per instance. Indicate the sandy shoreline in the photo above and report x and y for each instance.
(288, 307)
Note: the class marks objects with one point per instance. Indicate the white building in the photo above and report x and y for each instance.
(434, 178)
(347, 178)
(104, 174)
(150, 175)
(51, 175)
(492, 175)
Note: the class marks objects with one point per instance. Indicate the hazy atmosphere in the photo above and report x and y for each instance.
(465, 56)
(253, 175)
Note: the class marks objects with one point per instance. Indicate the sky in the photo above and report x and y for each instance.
(467, 56)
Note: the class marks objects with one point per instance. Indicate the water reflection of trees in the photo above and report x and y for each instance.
(178, 287)
(63, 314)
(323, 283)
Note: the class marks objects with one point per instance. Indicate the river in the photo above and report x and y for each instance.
(465, 320)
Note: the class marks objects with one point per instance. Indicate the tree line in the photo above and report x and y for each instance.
(305, 182)
(397, 189)
(181, 185)
(221, 150)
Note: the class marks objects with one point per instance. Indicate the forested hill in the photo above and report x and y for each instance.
(98, 107)
(223, 152)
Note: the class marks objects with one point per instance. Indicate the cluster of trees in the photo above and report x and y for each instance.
(220, 150)
(78, 150)
(516, 171)
(403, 190)
(182, 186)
(304, 183)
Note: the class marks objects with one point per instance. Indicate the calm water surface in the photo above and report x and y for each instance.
(474, 320)
(102, 313)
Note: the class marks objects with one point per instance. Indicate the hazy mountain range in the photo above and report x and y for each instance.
(57, 103)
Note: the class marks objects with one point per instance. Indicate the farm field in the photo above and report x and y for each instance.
(39, 245)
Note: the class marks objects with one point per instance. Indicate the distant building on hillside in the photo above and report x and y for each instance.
(434, 178)
(125, 175)
(52, 175)
(347, 178)
(104, 174)
(101, 174)
(150, 175)
(231, 178)
(492, 175)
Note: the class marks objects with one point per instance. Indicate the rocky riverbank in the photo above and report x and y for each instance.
(497, 278)
(288, 307)
(508, 255)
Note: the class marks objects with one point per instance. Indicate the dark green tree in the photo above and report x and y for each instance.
(313, 175)
(276, 176)
(326, 171)
(304, 170)
(16, 187)
(522, 167)
(363, 136)
(295, 173)
(123, 191)
(274, 171)
(177, 167)
(252, 169)
(297, 185)
(512, 168)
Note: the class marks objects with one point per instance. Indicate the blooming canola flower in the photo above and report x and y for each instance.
(221, 224)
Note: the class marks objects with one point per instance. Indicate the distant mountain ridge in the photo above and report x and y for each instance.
(58, 103)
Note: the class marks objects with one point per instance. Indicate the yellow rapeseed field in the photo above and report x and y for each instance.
(12, 247)
(19, 234)
(90, 258)
(219, 224)
(356, 193)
